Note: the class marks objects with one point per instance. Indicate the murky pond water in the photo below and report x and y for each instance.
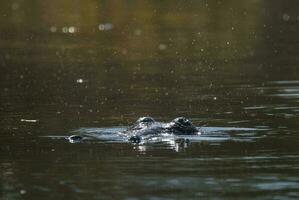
(231, 67)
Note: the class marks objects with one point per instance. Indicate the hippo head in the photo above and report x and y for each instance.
(145, 120)
(181, 125)
(142, 122)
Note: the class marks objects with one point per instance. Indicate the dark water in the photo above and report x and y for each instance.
(68, 65)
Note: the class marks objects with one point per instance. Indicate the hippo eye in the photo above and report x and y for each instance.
(145, 120)
(182, 121)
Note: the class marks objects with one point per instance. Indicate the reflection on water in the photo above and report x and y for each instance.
(223, 64)
(212, 135)
(286, 89)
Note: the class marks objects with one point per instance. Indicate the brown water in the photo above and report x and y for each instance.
(69, 65)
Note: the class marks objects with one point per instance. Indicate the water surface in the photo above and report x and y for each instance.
(95, 64)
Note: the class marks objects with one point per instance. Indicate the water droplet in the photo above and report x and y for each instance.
(53, 29)
(65, 29)
(72, 29)
(101, 27)
(80, 80)
(286, 17)
(29, 120)
(105, 27)
(137, 32)
(23, 191)
(108, 26)
(162, 46)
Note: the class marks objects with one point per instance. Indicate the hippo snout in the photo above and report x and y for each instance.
(75, 138)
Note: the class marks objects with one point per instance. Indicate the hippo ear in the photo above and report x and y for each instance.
(182, 121)
(145, 120)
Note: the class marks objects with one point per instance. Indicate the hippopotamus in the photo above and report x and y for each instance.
(147, 127)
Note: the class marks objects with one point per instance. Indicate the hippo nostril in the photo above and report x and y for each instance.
(135, 139)
(75, 138)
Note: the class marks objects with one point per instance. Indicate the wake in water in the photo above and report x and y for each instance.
(213, 135)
